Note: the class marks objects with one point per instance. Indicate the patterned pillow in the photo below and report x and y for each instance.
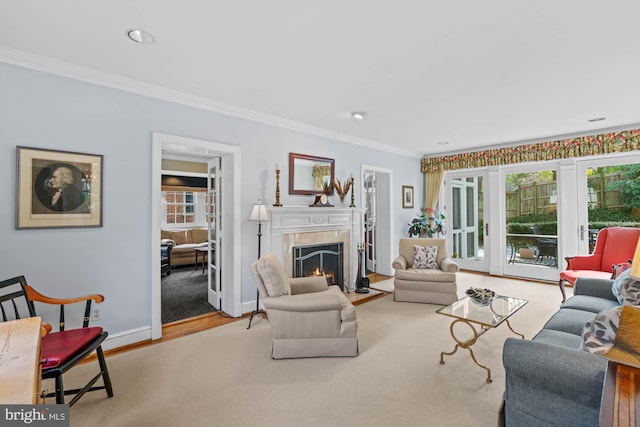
(626, 288)
(599, 335)
(425, 257)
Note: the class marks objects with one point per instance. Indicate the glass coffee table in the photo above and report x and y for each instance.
(487, 316)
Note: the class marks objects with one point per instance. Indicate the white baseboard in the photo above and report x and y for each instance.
(122, 339)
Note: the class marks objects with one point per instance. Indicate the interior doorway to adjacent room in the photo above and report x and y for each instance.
(227, 291)
(376, 202)
(189, 204)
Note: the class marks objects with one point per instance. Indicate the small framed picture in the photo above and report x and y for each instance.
(58, 189)
(407, 196)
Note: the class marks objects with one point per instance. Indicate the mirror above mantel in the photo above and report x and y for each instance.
(310, 174)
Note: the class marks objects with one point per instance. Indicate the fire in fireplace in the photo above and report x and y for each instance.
(326, 260)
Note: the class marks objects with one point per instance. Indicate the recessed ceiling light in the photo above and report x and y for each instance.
(597, 119)
(359, 115)
(140, 36)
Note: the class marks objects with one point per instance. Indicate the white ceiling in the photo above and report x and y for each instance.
(469, 73)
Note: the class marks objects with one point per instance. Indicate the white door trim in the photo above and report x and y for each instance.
(231, 302)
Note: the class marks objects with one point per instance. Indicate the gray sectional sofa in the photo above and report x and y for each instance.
(550, 380)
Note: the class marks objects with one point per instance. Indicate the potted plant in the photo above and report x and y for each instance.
(429, 222)
(527, 252)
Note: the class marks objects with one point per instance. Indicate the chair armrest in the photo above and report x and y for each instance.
(303, 302)
(584, 262)
(45, 329)
(305, 285)
(552, 384)
(34, 295)
(594, 287)
(400, 263)
(448, 265)
(167, 242)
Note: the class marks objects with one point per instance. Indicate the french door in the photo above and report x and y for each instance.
(530, 231)
(603, 190)
(214, 224)
(467, 220)
(370, 220)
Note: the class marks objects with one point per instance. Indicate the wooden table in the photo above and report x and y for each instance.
(20, 378)
(621, 397)
(204, 251)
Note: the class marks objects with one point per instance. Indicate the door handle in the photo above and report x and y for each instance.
(486, 229)
(582, 233)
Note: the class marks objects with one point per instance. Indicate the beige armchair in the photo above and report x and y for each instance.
(427, 285)
(308, 318)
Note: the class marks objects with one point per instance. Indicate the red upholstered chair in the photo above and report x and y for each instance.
(614, 245)
(62, 350)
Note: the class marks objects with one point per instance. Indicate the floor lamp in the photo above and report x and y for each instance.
(258, 213)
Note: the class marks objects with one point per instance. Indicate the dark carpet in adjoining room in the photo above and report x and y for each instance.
(184, 294)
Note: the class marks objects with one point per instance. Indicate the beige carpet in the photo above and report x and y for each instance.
(383, 285)
(226, 377)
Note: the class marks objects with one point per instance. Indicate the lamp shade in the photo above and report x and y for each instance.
(259, 212)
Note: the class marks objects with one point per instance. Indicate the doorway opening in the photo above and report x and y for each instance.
(376, 202)
(223, 295)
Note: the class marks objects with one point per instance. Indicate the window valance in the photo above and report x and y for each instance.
(613, 142)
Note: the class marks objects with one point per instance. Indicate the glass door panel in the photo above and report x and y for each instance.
(466, 220)
(608, 196)
(531, 223)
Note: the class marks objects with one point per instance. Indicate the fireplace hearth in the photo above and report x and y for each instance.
(326, 259)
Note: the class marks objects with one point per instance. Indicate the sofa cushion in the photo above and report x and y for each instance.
(425, 256)
(569, 320)
(559, 338)
(179, 236)
(272, 275)
(199, 235)
(425, 274)
(589, 303)
(599, 334)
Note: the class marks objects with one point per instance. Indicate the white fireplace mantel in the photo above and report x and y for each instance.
(293, 225)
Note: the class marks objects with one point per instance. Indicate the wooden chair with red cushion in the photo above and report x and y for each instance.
(614, 245)
(62, 350)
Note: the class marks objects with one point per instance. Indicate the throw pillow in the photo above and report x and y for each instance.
(180, 237)
(273, 276)
(627, 345)
(626, 289)
(599, 335)
(425, 256)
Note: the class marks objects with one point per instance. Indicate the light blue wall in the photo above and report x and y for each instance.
(48, 111)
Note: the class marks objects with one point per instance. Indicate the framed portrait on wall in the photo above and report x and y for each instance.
(57, 189)
(407, 196)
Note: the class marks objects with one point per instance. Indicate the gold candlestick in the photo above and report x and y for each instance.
(352, 205)
(277, 203)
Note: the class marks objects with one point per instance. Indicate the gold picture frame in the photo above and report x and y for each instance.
(58, 189)
(407, 197)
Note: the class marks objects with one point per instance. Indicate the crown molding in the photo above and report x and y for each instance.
(65, 69)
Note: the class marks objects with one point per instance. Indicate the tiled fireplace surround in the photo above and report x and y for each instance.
(297, 226)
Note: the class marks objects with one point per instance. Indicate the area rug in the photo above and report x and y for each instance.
(184, 294)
